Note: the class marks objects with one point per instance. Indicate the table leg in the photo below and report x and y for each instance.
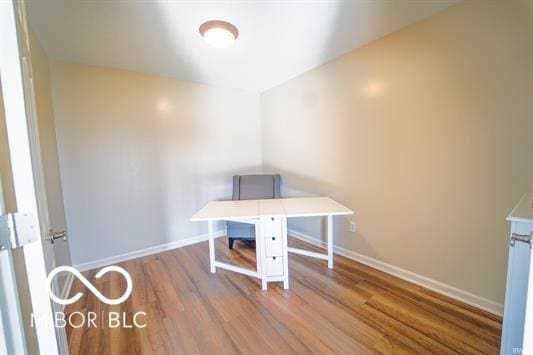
(285, 253)
(211, 232)
(260, 253)
(330, 241)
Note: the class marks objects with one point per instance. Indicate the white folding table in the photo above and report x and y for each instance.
(270, 220)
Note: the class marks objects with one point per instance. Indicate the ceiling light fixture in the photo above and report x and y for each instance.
(219, 34)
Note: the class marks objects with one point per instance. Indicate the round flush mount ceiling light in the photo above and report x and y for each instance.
(219, 34)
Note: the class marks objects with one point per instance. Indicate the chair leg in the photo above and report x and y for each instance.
(230, 241)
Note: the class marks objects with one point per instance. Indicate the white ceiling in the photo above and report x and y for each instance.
(277, 40)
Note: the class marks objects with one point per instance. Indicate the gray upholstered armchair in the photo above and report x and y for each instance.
(251, 187)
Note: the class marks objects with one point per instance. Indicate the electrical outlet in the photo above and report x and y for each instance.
(352, 227)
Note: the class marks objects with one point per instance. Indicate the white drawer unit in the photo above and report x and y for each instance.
(274, 257)
(274, 246)
(274, 266)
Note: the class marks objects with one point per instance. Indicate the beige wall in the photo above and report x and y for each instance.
(528, 8)
(140, 154)
(426, 134)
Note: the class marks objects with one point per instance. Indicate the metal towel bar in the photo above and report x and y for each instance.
(524, 238)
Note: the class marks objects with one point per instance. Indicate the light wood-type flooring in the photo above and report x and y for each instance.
(352, 309)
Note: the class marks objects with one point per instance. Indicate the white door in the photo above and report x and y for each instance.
(26, 166)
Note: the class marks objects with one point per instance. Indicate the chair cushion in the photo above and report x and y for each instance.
(238, 230)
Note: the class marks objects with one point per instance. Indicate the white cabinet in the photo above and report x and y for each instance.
(274, 257)
(517, 308)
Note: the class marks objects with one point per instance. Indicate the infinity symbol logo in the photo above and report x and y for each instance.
(86, 282)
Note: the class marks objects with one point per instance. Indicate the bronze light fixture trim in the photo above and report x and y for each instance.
(219, 33)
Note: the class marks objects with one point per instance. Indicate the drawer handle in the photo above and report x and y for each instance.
(273, 258)
(524, 238)
(273, 238)
(272, 218)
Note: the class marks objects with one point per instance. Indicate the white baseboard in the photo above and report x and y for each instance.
(143, 252)
(437, 286)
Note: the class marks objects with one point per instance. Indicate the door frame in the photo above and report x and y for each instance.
(12, 342)
(26, 165)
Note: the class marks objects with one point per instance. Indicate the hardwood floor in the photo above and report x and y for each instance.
(351, 309)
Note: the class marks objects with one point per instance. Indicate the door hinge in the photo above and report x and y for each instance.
(18, 229)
